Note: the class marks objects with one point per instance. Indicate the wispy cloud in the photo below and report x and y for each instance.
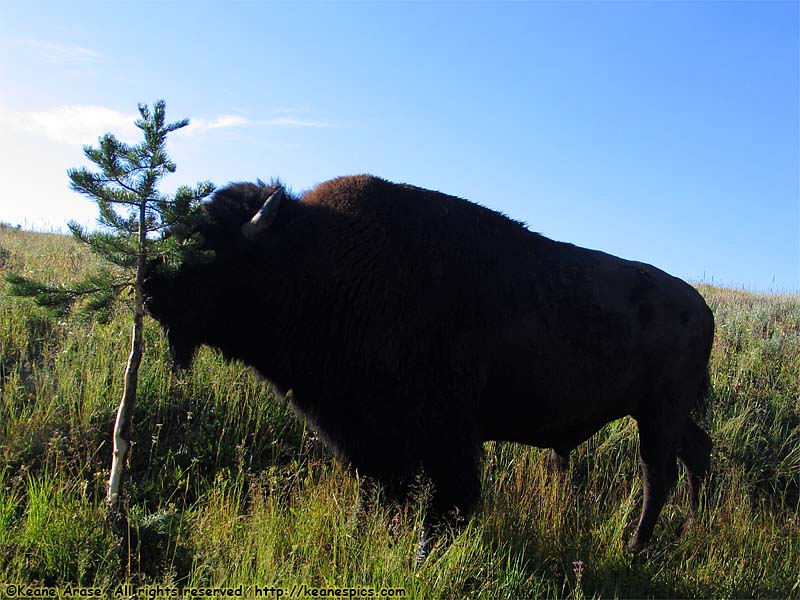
(76, 125)
(58, 54)
(81, 124)
(199, 125)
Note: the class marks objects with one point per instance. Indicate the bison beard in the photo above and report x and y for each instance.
(413, 326)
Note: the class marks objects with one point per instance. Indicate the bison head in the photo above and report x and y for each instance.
(204, 300)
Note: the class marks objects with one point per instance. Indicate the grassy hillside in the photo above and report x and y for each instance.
(227, 487)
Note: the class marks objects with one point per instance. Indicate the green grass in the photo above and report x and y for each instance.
(227, 487)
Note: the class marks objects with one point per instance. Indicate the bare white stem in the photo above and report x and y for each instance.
(122, 426)
(121, 432)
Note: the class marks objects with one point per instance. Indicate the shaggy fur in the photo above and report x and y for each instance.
(412, 326)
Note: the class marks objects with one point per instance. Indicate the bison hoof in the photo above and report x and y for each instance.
(423, 548)
(636, 547)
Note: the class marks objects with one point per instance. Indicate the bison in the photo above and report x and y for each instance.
(412, 326)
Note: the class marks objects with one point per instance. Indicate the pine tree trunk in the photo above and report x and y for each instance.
(122, 426)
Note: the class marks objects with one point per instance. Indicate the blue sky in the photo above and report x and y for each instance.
(662, 132)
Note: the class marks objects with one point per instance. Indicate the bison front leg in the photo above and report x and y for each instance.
(377, 491)
(455, 493)
(368, 490)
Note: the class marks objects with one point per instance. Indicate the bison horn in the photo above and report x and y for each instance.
(265, 215)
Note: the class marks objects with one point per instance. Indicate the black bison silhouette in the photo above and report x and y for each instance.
(412, 326)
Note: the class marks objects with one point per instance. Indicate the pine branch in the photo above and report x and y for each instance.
(116, 248)
(100, 288)
(96, 187)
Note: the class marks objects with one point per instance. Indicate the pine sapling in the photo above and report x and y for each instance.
(132, 214)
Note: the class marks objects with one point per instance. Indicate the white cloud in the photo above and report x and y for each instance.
(79, 124)
(198, 125)
(58, 54)
(202, 125)
(75, 125)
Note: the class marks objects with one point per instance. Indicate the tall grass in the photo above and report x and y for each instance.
(226, 486)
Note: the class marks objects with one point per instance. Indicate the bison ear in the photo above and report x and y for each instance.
(265, 215)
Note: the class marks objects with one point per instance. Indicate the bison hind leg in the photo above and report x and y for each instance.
(695, 454)
(658, 457)
(559, 460)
